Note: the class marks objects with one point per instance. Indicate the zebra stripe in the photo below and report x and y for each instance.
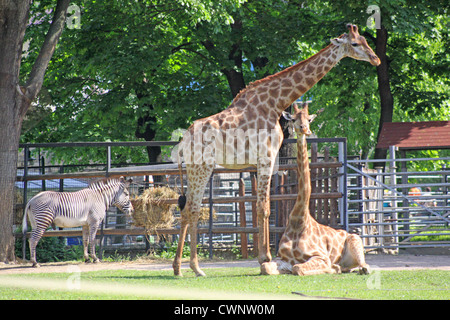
(86, 208)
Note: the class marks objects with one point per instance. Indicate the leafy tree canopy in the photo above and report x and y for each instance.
(140, 70)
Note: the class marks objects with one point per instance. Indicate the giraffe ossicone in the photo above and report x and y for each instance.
(253, 118)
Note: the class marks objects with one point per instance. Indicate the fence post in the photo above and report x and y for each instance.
(42, 164)
(102, 226)
(242, 219)
(25, 191)
(108, 160)
(61, 181)
(393, 177)
(445, 189)
(254, 215)
(405, 191)
(210, 215)
(379, 207)
(313, 204)
(342, 146)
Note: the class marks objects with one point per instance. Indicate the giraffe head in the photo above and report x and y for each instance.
(301, 119)
(355, 46)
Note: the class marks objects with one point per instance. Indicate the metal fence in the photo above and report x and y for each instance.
(233, 195)
(401, 206)
(381, 205)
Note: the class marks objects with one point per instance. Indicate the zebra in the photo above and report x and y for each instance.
(86, 207)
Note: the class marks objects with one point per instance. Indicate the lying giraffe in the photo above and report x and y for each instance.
(253, 118)
(308, 247)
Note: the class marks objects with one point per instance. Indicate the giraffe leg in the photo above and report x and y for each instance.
(203, 173)
(263, 212)
(354, 255)
(177, 261)
(193, 258)
(198, 176)
(315, 265)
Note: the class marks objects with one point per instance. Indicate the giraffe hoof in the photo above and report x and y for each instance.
(364, 270)
(269, 268)
(36, 265)
(200, 274)
(296, 270)
(264, 259)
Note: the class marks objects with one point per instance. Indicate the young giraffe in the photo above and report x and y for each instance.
(307, 247)
(255, 111)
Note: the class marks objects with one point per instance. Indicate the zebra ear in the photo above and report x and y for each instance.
(130, 181)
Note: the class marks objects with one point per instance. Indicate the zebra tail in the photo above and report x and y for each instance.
(25, 220)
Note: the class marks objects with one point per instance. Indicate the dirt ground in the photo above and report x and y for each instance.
(376, 261)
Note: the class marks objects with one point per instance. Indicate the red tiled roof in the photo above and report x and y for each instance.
(415, 135)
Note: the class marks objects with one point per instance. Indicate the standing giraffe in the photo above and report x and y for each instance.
(253, 118)
(308, 247)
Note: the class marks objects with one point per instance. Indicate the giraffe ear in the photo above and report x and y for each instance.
(312, 117)
(287, 116)
(337, 41)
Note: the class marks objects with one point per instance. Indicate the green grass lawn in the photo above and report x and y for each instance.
(225, 283)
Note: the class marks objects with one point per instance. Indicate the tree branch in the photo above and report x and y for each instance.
(34, 83)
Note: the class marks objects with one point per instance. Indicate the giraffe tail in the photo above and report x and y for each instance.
(182, 198)
(182, 202)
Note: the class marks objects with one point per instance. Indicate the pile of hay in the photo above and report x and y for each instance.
(150, 212)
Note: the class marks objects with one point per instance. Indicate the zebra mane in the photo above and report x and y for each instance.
(105, 182)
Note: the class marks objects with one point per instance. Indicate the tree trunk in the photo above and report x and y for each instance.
(146, 131)
(9, 144)
(387, 102)
(146, 126)
(13, 21)
(15, 100)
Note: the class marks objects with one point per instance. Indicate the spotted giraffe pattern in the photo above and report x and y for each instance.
(307, 247)
(256, 108)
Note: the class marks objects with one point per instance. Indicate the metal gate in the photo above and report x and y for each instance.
(400, 207)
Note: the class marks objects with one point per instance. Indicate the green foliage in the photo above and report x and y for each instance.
(170, 249)
(51, 249)
(163, 64)
(437, 234)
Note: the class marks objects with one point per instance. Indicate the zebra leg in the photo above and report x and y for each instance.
(36, 235)
(40, 223)
(86, 243)
(92, 233)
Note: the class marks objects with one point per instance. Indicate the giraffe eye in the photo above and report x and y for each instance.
(354, 44)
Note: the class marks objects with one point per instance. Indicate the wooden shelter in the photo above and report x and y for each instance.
(425, 135)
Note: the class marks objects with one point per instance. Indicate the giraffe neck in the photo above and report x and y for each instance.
(301, 207)
(281, 89)
(305, 74)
